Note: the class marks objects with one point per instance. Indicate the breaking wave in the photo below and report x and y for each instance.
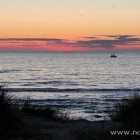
(67, 89)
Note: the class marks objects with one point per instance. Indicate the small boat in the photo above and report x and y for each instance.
(113, 55)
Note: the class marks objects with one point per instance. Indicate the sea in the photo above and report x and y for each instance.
(82, 84)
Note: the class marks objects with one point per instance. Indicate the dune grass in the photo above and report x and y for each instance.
(45, 112)
(9, 119)
(5, 103)
(128, 112)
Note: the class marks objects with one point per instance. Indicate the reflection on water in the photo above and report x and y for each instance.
(85, 83)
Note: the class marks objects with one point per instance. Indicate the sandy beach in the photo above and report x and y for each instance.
(38, 128)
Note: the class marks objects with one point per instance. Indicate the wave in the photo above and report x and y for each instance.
(67, 89)
(9, 70)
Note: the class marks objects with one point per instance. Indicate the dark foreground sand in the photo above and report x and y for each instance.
(37, 128)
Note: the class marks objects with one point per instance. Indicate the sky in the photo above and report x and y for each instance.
(70, 25)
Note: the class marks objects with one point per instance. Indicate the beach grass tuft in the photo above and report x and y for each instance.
(45, 112)
(9, 119)
(128, 112)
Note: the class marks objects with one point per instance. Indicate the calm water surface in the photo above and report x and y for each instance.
(83, 83)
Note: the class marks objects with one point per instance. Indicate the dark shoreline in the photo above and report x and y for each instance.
(39, 128)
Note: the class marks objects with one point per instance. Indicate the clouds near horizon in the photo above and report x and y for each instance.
(108, 42)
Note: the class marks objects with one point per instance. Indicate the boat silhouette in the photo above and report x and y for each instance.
(113, 55)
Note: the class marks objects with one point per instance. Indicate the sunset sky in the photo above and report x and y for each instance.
(69, 25)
